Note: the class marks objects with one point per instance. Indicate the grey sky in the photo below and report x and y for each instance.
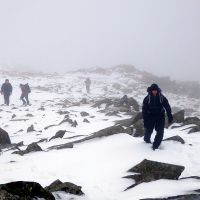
(160, 36)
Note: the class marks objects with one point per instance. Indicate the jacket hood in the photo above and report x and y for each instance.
(153, 87)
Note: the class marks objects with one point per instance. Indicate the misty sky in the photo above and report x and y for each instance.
(160, 36)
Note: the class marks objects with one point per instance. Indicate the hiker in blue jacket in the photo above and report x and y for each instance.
(153, 111)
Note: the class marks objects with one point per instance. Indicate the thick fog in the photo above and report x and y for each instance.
(159, 36)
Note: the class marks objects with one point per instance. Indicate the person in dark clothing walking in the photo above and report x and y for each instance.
(6, 90)
(153, 111)
(87, 84)
(25, 92)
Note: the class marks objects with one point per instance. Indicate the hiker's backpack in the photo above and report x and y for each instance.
(27, 88)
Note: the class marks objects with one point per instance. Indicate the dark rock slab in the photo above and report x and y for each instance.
(11, 146)
(13, 116)
(148, 171)
(102, 133)
(60, 112)
(52, 125)
(21, 190)
(74, 124)
(34, 147)
(18, 120)
(30, 129)
(192, 120)
(106, 101)
(4, 195)
(123, 109)
(176, 138)
(42, 140)
(62, 146)
(42, 108)
(113, 113)
(84, 101)
(134, 103)
(65, 120)
(130, 121)
(194, 129)
(59, 134)
(86, 120)
(29, 115)
(65, 187)
(180, 197)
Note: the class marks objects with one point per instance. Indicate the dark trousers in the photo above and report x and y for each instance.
(7, 99)
(158, 123)
(88, 88)
(24, 98)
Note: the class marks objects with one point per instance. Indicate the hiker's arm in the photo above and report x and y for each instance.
(145, 108)
(168, 110)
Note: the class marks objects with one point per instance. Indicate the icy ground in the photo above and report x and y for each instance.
(96, 165)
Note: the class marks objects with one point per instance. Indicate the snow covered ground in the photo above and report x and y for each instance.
(97, 165)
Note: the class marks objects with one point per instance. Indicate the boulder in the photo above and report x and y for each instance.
(68, 120)
(84, 114)
(30, 129)
(179, 117)
(86, 120)
(13, 116)
(192, 120)
(21, 190)
(74, 124)
(148, 171)
(65, 187)
(132, 102)
(42, 108)
(4, 137)
(4, 195)
(176, 138)
(84, 101)
(107, 101)
(139, 128)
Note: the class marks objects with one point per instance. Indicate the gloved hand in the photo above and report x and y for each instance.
(170, 119)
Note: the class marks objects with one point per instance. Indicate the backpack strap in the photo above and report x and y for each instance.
(149, 99)
(161, 98)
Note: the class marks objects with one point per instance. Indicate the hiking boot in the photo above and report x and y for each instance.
(148, 141)
(154, 148)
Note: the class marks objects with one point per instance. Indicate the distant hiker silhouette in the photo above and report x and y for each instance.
(88, 84)
(25, 92)
(153, 111)
(6, 90)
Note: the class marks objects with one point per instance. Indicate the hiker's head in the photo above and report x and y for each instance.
(7, 81)
(154, 92)
(154, 89)
(20, 85)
